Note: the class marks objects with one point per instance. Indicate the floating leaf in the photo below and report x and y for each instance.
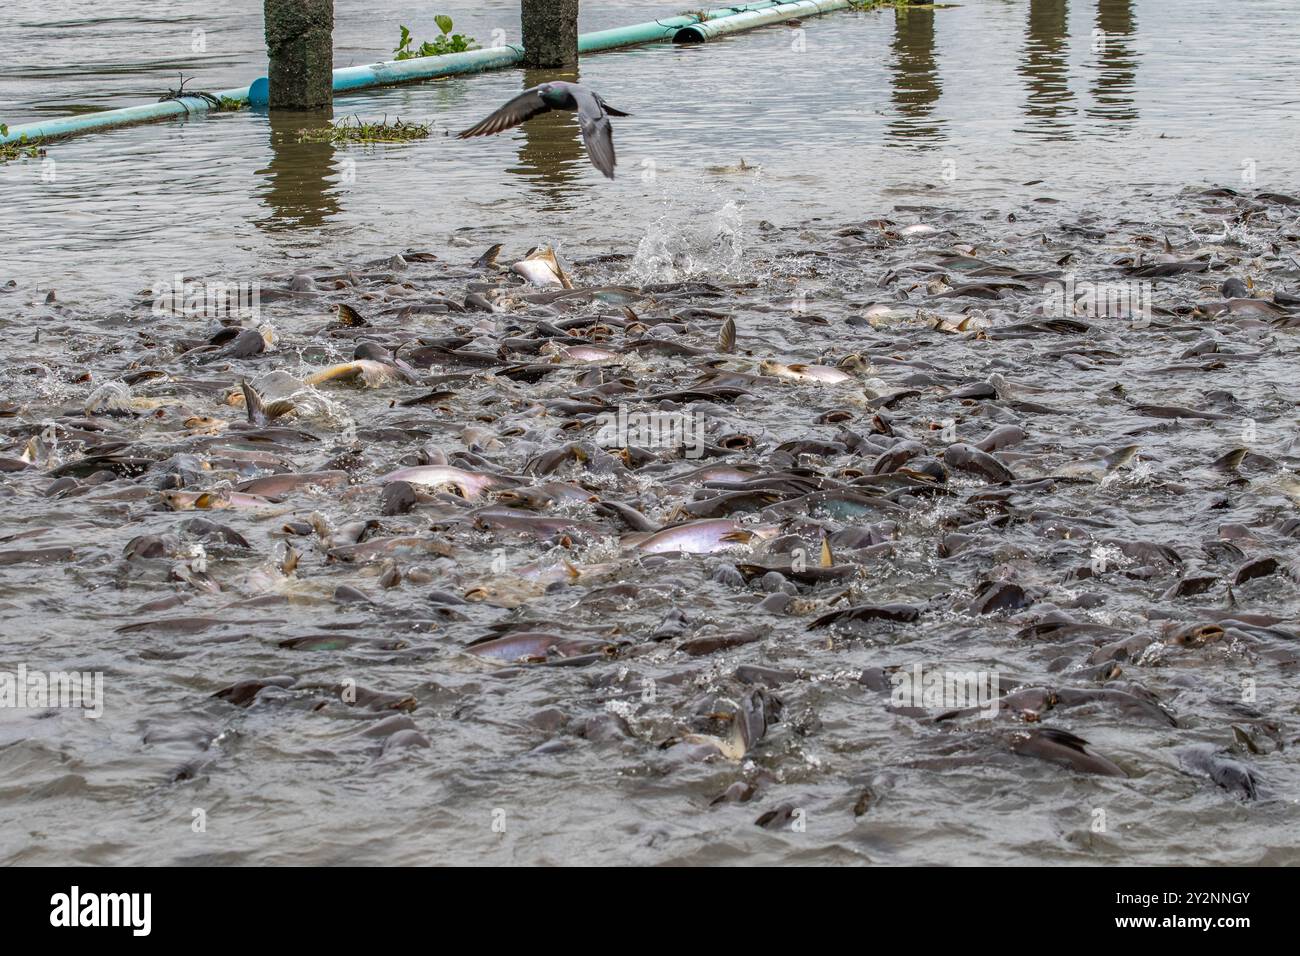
(444, 23)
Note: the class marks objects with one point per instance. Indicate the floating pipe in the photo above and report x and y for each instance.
(472, 61)
(709, 29)
(430, 67)
(660, 31)
(106, 119)
(425, 67)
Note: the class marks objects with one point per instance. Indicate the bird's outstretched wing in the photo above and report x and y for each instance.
(596, 131)
(523, 107)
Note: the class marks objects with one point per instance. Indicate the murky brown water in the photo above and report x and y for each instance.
(1032, 146)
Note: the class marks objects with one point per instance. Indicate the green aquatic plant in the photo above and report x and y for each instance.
(22, 148)
(228, 105)
(448, 42)
(352, 131)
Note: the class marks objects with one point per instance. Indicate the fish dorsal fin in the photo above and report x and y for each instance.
(1120, 456)
(489, 259)
(253, 403)
(1064, 738)
(727, 335)
(1232, 460)
(350, 317)
(279, 407)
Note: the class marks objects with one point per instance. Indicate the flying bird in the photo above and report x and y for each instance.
(593, 117)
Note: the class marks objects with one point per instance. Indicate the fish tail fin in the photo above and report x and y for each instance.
(737, 745)
(565, 281)
(35, 451)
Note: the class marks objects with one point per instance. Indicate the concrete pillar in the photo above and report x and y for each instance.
(300, 47)
(550, 33)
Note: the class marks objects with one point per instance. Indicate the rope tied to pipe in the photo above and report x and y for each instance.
(180, 95)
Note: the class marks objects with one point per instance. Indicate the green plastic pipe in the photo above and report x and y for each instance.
(420, 68)
(709, 29)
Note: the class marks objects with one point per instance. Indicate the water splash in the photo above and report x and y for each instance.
(109, 397)
(684, 246)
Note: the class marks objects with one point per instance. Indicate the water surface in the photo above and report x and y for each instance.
(1000, 123)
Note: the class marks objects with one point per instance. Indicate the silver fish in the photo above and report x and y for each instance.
(704, 537)
(541, 268)
(470, 484)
